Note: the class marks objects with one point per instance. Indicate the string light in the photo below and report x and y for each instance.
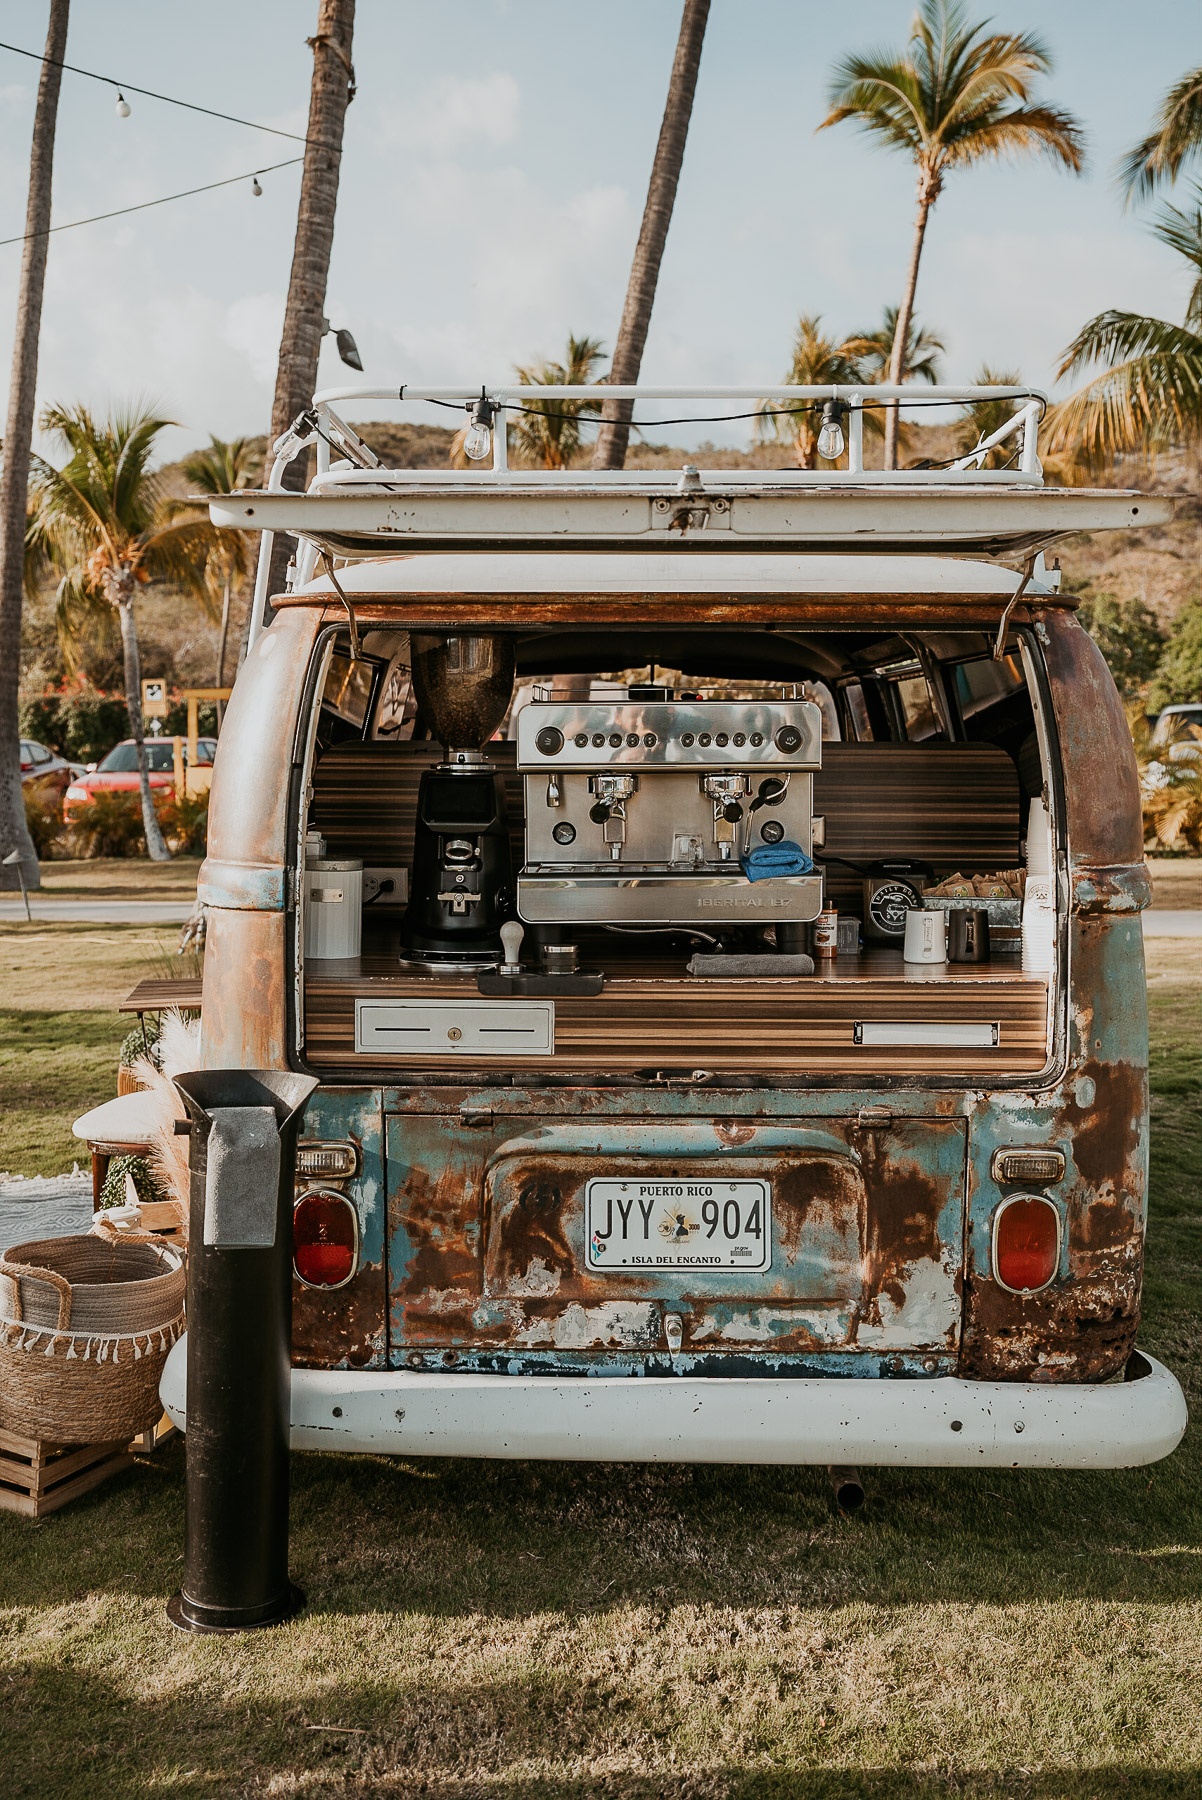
(150, 94)
(119, 211)
(830, 438)
(478, 441)
(255, 188)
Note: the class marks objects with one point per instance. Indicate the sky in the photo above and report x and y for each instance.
(493, 179)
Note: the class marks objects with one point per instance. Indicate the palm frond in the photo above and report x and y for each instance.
(1175, 139)
(882, 94)
(958, 93)
(549, 433)
(1151, 398)
(1023, 130)
(223, 466)
(873, 350)
(1182, 232)
(1115, 334)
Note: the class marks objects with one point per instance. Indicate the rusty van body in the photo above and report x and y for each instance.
(891, 1114)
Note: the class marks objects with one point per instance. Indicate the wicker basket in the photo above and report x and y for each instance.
(85, 1327)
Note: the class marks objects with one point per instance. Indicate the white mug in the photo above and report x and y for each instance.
(926, 936)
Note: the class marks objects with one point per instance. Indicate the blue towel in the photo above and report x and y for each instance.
(785, 858)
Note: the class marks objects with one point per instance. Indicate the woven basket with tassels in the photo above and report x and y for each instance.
(85, 1327)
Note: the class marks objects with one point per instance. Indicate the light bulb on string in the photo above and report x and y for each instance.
(830, 438)
(478, 441)
(255, 188)
(122, 105)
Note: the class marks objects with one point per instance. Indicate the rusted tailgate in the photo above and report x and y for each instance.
(487, 1255)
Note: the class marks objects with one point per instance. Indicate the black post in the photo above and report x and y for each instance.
(243, 1130)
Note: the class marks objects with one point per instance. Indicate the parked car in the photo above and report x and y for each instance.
(1177, 735)
(45, 771)
(119, 770)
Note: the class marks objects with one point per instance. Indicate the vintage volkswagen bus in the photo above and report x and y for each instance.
(657, 1175)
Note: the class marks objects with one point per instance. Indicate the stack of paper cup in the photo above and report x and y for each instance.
(1039, 897)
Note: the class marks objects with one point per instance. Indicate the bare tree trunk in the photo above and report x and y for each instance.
(296, 377)
(610, 449)
(225, 632)
(155, 845)
(905, 313)
(18, 437)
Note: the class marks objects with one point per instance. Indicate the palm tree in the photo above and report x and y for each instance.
(614, 436)
(103, 522)
(956, 95)
(983, 417)
(1174, 140)
(18, 436)
(221, 469)
(332, 91)
(1151, 394)
(547, 434)
(818, 361)
(920, 352)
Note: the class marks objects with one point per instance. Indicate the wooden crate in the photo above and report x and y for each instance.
(37, 1478)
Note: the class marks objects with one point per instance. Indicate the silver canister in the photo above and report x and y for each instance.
(333, 901)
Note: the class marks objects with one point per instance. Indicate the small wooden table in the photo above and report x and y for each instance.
(157, 996)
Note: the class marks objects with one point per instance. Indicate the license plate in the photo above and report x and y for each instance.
(636, 1225)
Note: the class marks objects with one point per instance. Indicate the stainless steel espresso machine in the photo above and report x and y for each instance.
(648, 812)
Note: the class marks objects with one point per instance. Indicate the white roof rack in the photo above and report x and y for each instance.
(356, 508)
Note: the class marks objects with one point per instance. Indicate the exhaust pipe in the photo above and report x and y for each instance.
(849, 1489)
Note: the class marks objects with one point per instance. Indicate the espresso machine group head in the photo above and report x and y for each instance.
(645, 810)
(462, 884)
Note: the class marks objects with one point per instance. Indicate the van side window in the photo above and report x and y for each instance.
(979, 685)
(855, 711)
(348, 689)
(917, 708)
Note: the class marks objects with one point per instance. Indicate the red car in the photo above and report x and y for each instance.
(119, 770)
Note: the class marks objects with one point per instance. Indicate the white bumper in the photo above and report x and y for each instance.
(941, 1422)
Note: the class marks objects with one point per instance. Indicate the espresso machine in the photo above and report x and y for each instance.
(461, 888)
(645, 811)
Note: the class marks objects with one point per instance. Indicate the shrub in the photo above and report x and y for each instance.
(1179, 677)
(176, 722)
(44, 818)
(82, 721)
(110, 825)
(147, 1185)
(185, 822)
(141, 1042)
(1170, 781)
(1129, 636)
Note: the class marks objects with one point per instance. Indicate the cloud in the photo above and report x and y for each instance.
(454, 112)
(253, 324)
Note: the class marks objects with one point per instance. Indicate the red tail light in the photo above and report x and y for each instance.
(325, 1238)
(1026, 1243)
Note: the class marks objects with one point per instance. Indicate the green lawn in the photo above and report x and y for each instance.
(60, 1032)
(539, 1630)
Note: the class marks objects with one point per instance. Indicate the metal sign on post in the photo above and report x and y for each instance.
(154, 699)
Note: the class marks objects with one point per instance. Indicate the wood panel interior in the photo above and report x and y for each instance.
(653, 1016)
(954, 805)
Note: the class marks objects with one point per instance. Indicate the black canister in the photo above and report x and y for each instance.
(967, 934)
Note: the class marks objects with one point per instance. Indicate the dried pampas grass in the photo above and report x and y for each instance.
(179, 1051)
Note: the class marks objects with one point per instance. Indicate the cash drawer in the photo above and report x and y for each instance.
(473, 1028)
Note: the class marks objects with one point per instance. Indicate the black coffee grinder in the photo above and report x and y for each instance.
(461, 891)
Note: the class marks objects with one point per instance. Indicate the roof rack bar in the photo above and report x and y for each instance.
(505, 391)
